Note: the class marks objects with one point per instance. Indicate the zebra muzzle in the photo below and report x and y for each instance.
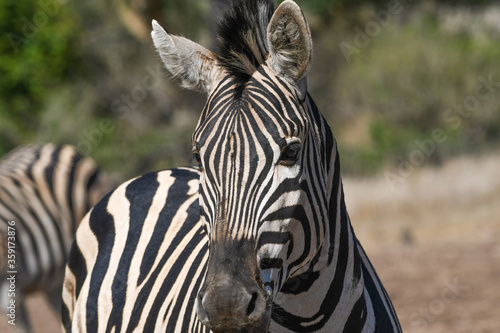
(232, 298)
(229, 308)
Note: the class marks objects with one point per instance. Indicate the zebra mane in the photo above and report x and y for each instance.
(242, 38)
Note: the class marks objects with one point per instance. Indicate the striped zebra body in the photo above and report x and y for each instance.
(259, 240)
(44, 192)
(110, 288)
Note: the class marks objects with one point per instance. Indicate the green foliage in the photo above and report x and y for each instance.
(327, 8)
(179, 12)
(36, 56)
(413, 78)
(82, 77)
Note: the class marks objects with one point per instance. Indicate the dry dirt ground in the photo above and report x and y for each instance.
(433, 237)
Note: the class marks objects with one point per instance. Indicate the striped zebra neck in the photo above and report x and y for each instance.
(353, 298)
(335, 275)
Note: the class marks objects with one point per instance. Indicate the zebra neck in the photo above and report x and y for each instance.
(328, 295)
(331, 292)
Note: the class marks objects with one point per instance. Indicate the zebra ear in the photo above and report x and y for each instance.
(290, 42)
(191, 63)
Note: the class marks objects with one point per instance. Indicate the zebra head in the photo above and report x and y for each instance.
(264, 154)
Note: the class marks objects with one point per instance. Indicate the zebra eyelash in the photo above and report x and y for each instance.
(196, 156)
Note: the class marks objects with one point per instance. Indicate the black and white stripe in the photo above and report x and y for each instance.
(45, 191)
(139, 258)
(259, 238)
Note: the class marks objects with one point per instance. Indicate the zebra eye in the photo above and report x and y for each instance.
(290, 154)
(196, 156)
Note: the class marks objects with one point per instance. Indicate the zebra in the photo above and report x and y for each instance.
(45, 190)
(257, 238)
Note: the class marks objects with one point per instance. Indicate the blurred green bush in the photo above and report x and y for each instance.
(419, 73)
(86, 73)
(37, 55)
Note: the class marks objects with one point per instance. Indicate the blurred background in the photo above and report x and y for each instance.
(411, 90)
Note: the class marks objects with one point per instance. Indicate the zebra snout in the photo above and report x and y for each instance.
(229, 306)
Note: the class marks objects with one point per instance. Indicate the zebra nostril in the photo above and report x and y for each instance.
(251, 305)
(201, 295)
(201, 309)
